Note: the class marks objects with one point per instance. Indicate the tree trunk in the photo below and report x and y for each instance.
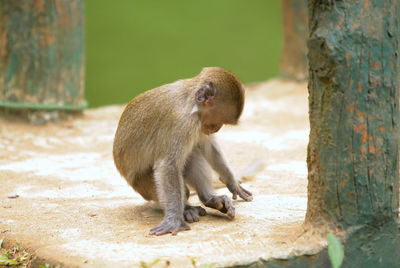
(354, 112)
(42, 54)
(294, 63)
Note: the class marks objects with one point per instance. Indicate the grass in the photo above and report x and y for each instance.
(143, 264)
(49, 266)
(133, 46)
(15, 257)
(194, 263)
(149, 265)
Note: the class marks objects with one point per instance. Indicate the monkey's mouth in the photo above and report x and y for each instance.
(208, 132)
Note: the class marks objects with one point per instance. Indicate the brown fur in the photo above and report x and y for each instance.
(159, 146)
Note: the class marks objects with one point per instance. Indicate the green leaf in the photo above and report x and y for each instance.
(206, 266)
(335, 251)
(193, 261)
(4, 260)
(143, 264)
(1, 242)
(210, 265)
(155, 262)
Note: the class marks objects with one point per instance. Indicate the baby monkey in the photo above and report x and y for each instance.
(163, 144)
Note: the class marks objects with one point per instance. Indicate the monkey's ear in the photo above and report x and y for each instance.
(206, 94)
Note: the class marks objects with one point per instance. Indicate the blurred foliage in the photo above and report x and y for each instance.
(132, 46)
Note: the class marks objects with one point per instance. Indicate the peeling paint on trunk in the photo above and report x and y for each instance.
(42, 54)
(354, 112)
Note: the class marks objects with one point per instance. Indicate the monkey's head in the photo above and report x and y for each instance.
(219, 98)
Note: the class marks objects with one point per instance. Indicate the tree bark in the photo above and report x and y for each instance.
(42, 54)
(294, 64)
(354, 112)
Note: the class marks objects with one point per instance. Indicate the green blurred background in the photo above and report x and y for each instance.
(133, 46)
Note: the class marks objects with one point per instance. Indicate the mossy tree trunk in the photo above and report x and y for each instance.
(42, 54)
(354, 112)
(295, 32)
(353, 169)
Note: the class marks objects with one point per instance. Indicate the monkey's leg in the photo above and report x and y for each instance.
(197, 174)
(144, 184)
(170, 189)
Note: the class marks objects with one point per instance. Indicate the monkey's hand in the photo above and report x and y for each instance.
(170, 225)
(236, 189)
(221, 203)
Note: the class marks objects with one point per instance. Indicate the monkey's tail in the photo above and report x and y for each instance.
(246, 175)
(251, 171)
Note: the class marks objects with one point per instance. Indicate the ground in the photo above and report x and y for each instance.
(63, 201)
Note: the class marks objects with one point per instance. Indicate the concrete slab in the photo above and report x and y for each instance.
(74, 209)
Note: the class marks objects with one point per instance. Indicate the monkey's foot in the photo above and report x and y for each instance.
(193, 213)
(223, 204)
(172, 226)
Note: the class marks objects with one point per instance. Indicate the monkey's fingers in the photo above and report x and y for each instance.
(245, 194)
(167, 226)
(223, 204)
(233, 189)
(228, 208)
(237, 189)
(234, 195)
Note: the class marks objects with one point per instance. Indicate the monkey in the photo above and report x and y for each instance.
(164, 143)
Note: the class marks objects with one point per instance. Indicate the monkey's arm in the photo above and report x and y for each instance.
(169, 182)
(215, 158)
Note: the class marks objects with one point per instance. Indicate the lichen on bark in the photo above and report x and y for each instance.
(354, 111)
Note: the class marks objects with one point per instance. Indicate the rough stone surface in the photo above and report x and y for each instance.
(74, 209)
